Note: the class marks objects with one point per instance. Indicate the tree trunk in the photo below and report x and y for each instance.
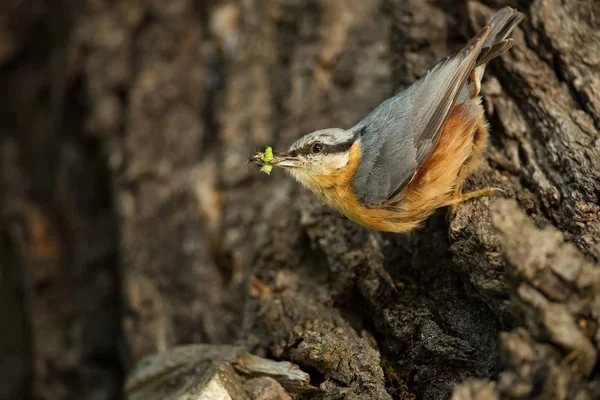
(130, 221)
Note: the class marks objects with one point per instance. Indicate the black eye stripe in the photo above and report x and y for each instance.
(328, 148)
(338, 148)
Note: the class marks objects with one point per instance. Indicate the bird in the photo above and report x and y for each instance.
(411, 154)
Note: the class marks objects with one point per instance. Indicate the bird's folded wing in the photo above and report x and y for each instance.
(401, 133)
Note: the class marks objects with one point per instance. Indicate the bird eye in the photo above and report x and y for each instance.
(317, 148)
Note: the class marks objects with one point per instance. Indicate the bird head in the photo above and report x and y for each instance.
(317, 156)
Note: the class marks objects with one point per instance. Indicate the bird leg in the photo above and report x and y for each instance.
(462, 197)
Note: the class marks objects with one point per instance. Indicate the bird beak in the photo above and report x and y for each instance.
(285, 161)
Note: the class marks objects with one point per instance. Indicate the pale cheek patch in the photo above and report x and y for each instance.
(330, 163)
(298, 174)
(324, 166)
(304, 177)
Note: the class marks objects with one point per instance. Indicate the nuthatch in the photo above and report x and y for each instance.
(411, 154)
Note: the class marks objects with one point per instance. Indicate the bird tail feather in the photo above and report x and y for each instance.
(503, 23)
(497, 42)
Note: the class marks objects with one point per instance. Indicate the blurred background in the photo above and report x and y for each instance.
(130, 221)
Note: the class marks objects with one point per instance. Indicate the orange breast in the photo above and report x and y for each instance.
(433, 185)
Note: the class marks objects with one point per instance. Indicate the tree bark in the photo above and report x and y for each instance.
(131, 222)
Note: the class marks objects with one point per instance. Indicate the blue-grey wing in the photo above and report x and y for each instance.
(401, 133)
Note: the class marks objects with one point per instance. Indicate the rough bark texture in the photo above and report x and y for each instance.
(130, 222)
